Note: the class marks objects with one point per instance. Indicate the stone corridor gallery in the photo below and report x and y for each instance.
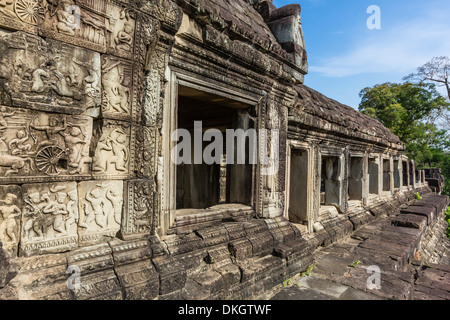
(92, 205)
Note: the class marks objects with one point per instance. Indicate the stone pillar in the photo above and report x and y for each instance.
(380, 174)
(365, 185)
(374, 169)
(412, 174)
(391, 174)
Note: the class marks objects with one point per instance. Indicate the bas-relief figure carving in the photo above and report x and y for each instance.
(10, 214)
(49, 218)
(116, 81)
(49, 75)
(21, 14)
(112, 154)
(66, 21)
(101, 210)
(41, 144)
(121, 25)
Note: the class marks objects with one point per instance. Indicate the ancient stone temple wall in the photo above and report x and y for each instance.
(92, 205)
(80, 90)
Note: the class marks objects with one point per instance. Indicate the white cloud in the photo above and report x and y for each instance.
(400, 49)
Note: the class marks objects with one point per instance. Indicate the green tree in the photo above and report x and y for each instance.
(411, 111)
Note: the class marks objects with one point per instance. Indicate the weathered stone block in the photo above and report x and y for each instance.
(211, 280)
(213, 236)
(137, 275)
(241, 249)
(184, 243)
(235, 230)
(172, 275)
(95, 266)
(192, 259)
(410, 221)
(428, 212)
(55, 284)
(219, 255)
(262, 243)
(230, 273)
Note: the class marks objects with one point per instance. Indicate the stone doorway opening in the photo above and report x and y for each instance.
(200, 185)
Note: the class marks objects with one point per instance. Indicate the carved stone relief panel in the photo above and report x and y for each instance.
(21, 14)
(49, 75)
(11, 204)
(101, 204)
(37, 146)
(49, 218)
(165, 10)
(80, 22)
(147, 30)
(152, 111)
(117, 88)
(121, 26)
(139, 215)
(147, 150)
(114, 152)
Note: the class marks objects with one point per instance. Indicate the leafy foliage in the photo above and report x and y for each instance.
(411, 111)
(308, 271)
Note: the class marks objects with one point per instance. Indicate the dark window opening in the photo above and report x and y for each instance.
(202, 185)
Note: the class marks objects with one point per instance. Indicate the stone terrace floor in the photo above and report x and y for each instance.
(341, 270)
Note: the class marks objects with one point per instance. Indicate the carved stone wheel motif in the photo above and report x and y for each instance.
(47, 160)
(29, 11)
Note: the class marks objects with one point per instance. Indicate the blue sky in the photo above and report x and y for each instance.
(345, 56)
